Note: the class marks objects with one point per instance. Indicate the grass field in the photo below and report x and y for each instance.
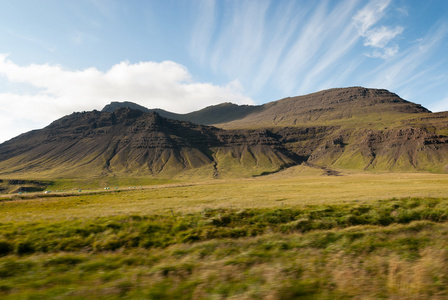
(291, 235)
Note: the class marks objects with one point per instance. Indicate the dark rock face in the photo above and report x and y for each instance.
(406, 149)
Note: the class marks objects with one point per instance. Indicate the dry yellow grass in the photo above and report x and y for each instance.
(302, 186)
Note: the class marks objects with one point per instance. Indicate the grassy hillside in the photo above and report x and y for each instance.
(293, 234)
(130, 143)
(343, 106)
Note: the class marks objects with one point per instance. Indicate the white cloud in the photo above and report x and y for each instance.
(286, 45)
(379, 38)
(284, 23)
(286, 48)
(327, 34)
(384, 53)
(166, 85)
(370, 14)
(409, 67)
(267, 43)
(411, 73)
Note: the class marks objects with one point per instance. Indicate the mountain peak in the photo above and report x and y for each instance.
(327, 105)
(332, 105)
(115, 104)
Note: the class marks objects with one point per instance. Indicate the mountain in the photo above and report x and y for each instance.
(215, 114)
(350, 105)
(346, 128)
(131, 142)
(331, 105)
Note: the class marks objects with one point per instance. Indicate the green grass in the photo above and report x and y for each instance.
(393, 248)
(275, 237)
(161, 230)
(95, 183)
(292, 187)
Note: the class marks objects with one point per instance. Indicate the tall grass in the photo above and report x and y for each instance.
(149, 231)
(395, 248)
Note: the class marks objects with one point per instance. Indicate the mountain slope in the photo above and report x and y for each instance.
(396, 149)
(334, 106)
(133, 143)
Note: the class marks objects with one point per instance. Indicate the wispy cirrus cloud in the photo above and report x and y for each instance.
(370, 14)
(379, 38)
(324, 52)
(295, 47)
(275, 43)
(290, 46)
(203, 30)
(409, 72)
(240, 41)
(285, 22)
(410, 64)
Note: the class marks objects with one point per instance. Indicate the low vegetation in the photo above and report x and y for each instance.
(186, 247)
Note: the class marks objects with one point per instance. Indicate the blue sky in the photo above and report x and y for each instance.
(57, 57)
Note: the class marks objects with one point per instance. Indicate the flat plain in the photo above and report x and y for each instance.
(295, 234)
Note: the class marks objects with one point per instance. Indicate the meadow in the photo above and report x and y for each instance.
(292, 235)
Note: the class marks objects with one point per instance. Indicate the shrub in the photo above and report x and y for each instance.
(221, 220)
(407, 215)
(24, 247)
(5, 248)
(190, 237)
(5, 288)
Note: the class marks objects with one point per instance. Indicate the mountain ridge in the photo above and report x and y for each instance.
(305, 108)
(213, 114)
(346, 128)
